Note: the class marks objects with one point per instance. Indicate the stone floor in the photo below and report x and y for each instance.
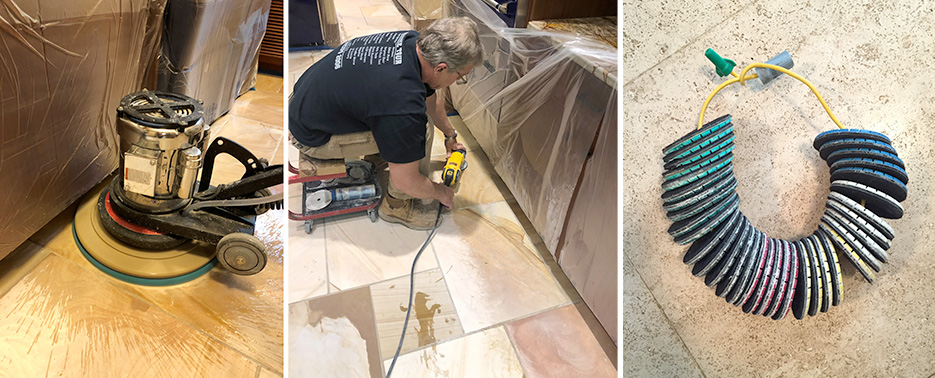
(64, 317)
(869, 60)
(490, 299)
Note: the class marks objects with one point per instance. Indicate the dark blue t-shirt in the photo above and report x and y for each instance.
(370, 83)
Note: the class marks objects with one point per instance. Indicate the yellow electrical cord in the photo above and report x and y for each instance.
(711, 96)
(742, 78)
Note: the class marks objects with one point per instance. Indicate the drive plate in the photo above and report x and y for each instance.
(136, 265)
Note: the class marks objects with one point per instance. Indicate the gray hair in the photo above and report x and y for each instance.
(453, 41)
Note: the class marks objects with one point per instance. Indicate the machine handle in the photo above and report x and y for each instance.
(221, 145)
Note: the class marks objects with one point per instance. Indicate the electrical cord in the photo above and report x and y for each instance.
(742, 78)
(412, 274)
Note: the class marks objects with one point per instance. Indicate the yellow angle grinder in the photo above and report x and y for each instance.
(451, 175)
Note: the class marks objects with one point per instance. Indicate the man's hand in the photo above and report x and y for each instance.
(444, 195)
(453, 144)
(406, 177)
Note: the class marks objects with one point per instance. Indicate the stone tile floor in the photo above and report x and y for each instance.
(66, 318)
(864, 58)
(484, 284)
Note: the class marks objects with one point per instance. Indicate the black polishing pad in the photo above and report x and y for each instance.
(803, 286)
(727, 262)
(707, 243)
(864, 153)
(687, 191)
(748, 271)
(703, 193)
(733, 278)
(746, 274)
(818, 283)
(725, 143)
(864, 213)
(703, 201)
(752, 276)
(876, 165)
(878, 202)
(685, 143)
(686, 226)
(762, 278)
(769, 296)
(834, 266)
(727, 244)
(692, 153)
(874, 179)
(859, 249)
(694, 166)
(840, 144)
(861, 223)
(835, 134)
(826, 282)
(790, 279)
(842, 245)
(709, 225)
(861, 237)
(710, 168)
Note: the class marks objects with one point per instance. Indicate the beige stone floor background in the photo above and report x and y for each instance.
(871, 60)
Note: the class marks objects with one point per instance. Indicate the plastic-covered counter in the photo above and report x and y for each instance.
(543, 107)
(65, 67)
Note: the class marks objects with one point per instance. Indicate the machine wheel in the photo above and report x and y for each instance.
(241, 254)
(309, 226)
(373, 215)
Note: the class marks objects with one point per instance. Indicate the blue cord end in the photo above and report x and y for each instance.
(782, 59)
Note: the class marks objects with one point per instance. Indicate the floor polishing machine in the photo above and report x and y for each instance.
(158, 222)
(451, 176)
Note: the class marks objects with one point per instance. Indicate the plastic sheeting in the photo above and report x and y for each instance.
(543, 108)
(535, 106)
(64, 66)
(422, 12)
(210, 50)
(588, 253)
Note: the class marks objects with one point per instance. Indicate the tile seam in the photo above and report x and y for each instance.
(666, 316)
(696, 39)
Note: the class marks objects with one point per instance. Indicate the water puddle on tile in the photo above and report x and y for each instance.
(425, 314)
(268, 229)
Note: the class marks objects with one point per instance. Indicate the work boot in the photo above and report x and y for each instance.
(410, 213)
(377, 161)
(311, 167)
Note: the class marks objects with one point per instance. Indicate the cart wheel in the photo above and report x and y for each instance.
(373, 215)
(308, 227)
(241, 254)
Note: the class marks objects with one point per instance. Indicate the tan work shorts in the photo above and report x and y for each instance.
(356, 145)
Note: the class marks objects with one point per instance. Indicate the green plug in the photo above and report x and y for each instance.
(722, 66)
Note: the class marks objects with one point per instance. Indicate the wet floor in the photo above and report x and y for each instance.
(64, 317)
(484, 281)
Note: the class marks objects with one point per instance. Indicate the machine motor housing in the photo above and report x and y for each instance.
(162, 140)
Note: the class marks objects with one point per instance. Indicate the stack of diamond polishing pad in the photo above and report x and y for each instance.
(768, 276)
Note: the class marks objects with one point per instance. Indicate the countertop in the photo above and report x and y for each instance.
(602, 30)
